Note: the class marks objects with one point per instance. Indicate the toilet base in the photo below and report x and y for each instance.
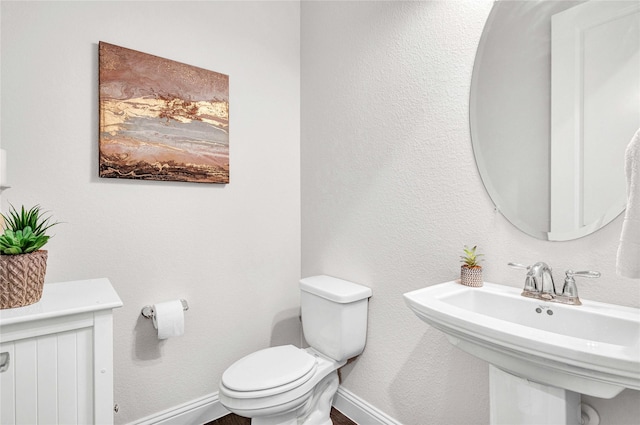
(284, 419)
(319, 406)
(316, 411)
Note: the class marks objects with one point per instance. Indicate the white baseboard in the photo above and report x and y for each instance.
(195, 412)
(359, 411)
(208, 408)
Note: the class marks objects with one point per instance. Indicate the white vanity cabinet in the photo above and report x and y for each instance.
(56, 356)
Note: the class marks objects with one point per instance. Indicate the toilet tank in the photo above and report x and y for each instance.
(334, 315)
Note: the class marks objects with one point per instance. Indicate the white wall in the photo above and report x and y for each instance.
(390, 193)
(232, 251)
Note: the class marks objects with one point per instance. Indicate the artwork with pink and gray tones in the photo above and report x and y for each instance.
(161, 119)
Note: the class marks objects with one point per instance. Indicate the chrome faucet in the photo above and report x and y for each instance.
(539, 283)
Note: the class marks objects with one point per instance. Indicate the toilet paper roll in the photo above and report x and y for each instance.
(168, 319)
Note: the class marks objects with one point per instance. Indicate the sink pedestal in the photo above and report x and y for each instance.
(514, 400)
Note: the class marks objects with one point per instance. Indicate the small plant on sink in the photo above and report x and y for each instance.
(471, 270)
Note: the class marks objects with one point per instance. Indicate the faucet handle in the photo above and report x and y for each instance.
(518, 266)
(529, 283)
(570, 289)
(584, 273)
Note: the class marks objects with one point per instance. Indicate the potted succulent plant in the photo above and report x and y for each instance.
(23, 263)
(471, 270)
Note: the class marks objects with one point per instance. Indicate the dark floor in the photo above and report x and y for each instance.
(231, 419)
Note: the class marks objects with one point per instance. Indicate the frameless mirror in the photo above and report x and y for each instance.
(555, 99)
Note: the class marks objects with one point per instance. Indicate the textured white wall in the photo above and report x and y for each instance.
(390, 193)
(232, 251)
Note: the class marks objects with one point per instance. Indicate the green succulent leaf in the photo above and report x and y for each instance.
(25, 230)
(33, 217)
(471, 257)
(10, 237)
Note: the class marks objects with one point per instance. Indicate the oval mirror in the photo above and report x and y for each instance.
(555, 100)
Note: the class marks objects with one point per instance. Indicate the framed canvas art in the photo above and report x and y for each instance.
(161, 119)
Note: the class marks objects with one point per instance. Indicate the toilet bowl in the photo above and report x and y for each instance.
(287, 385)
(280, 385)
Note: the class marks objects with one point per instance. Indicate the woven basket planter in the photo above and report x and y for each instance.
(22, 278)
(471, 276)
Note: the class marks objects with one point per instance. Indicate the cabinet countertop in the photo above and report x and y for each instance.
(63, 299)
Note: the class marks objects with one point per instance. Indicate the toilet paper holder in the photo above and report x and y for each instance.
(148, 311)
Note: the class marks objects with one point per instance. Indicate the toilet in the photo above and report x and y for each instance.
(287, 385)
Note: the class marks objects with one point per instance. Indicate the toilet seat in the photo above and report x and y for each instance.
(268, 372)
(285, 398)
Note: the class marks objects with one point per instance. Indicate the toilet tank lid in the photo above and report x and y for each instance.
(334, 289)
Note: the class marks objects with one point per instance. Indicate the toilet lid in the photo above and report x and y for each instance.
(269, 368)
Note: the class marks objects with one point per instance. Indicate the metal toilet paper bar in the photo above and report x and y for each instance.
(148, 311)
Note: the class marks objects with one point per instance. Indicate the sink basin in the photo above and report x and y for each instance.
(590, 349)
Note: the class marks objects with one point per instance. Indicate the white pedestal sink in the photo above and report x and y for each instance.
(543, 355)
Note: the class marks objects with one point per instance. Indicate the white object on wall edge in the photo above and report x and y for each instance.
(3, 171)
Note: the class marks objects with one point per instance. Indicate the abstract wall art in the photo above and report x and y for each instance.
(161, 119)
